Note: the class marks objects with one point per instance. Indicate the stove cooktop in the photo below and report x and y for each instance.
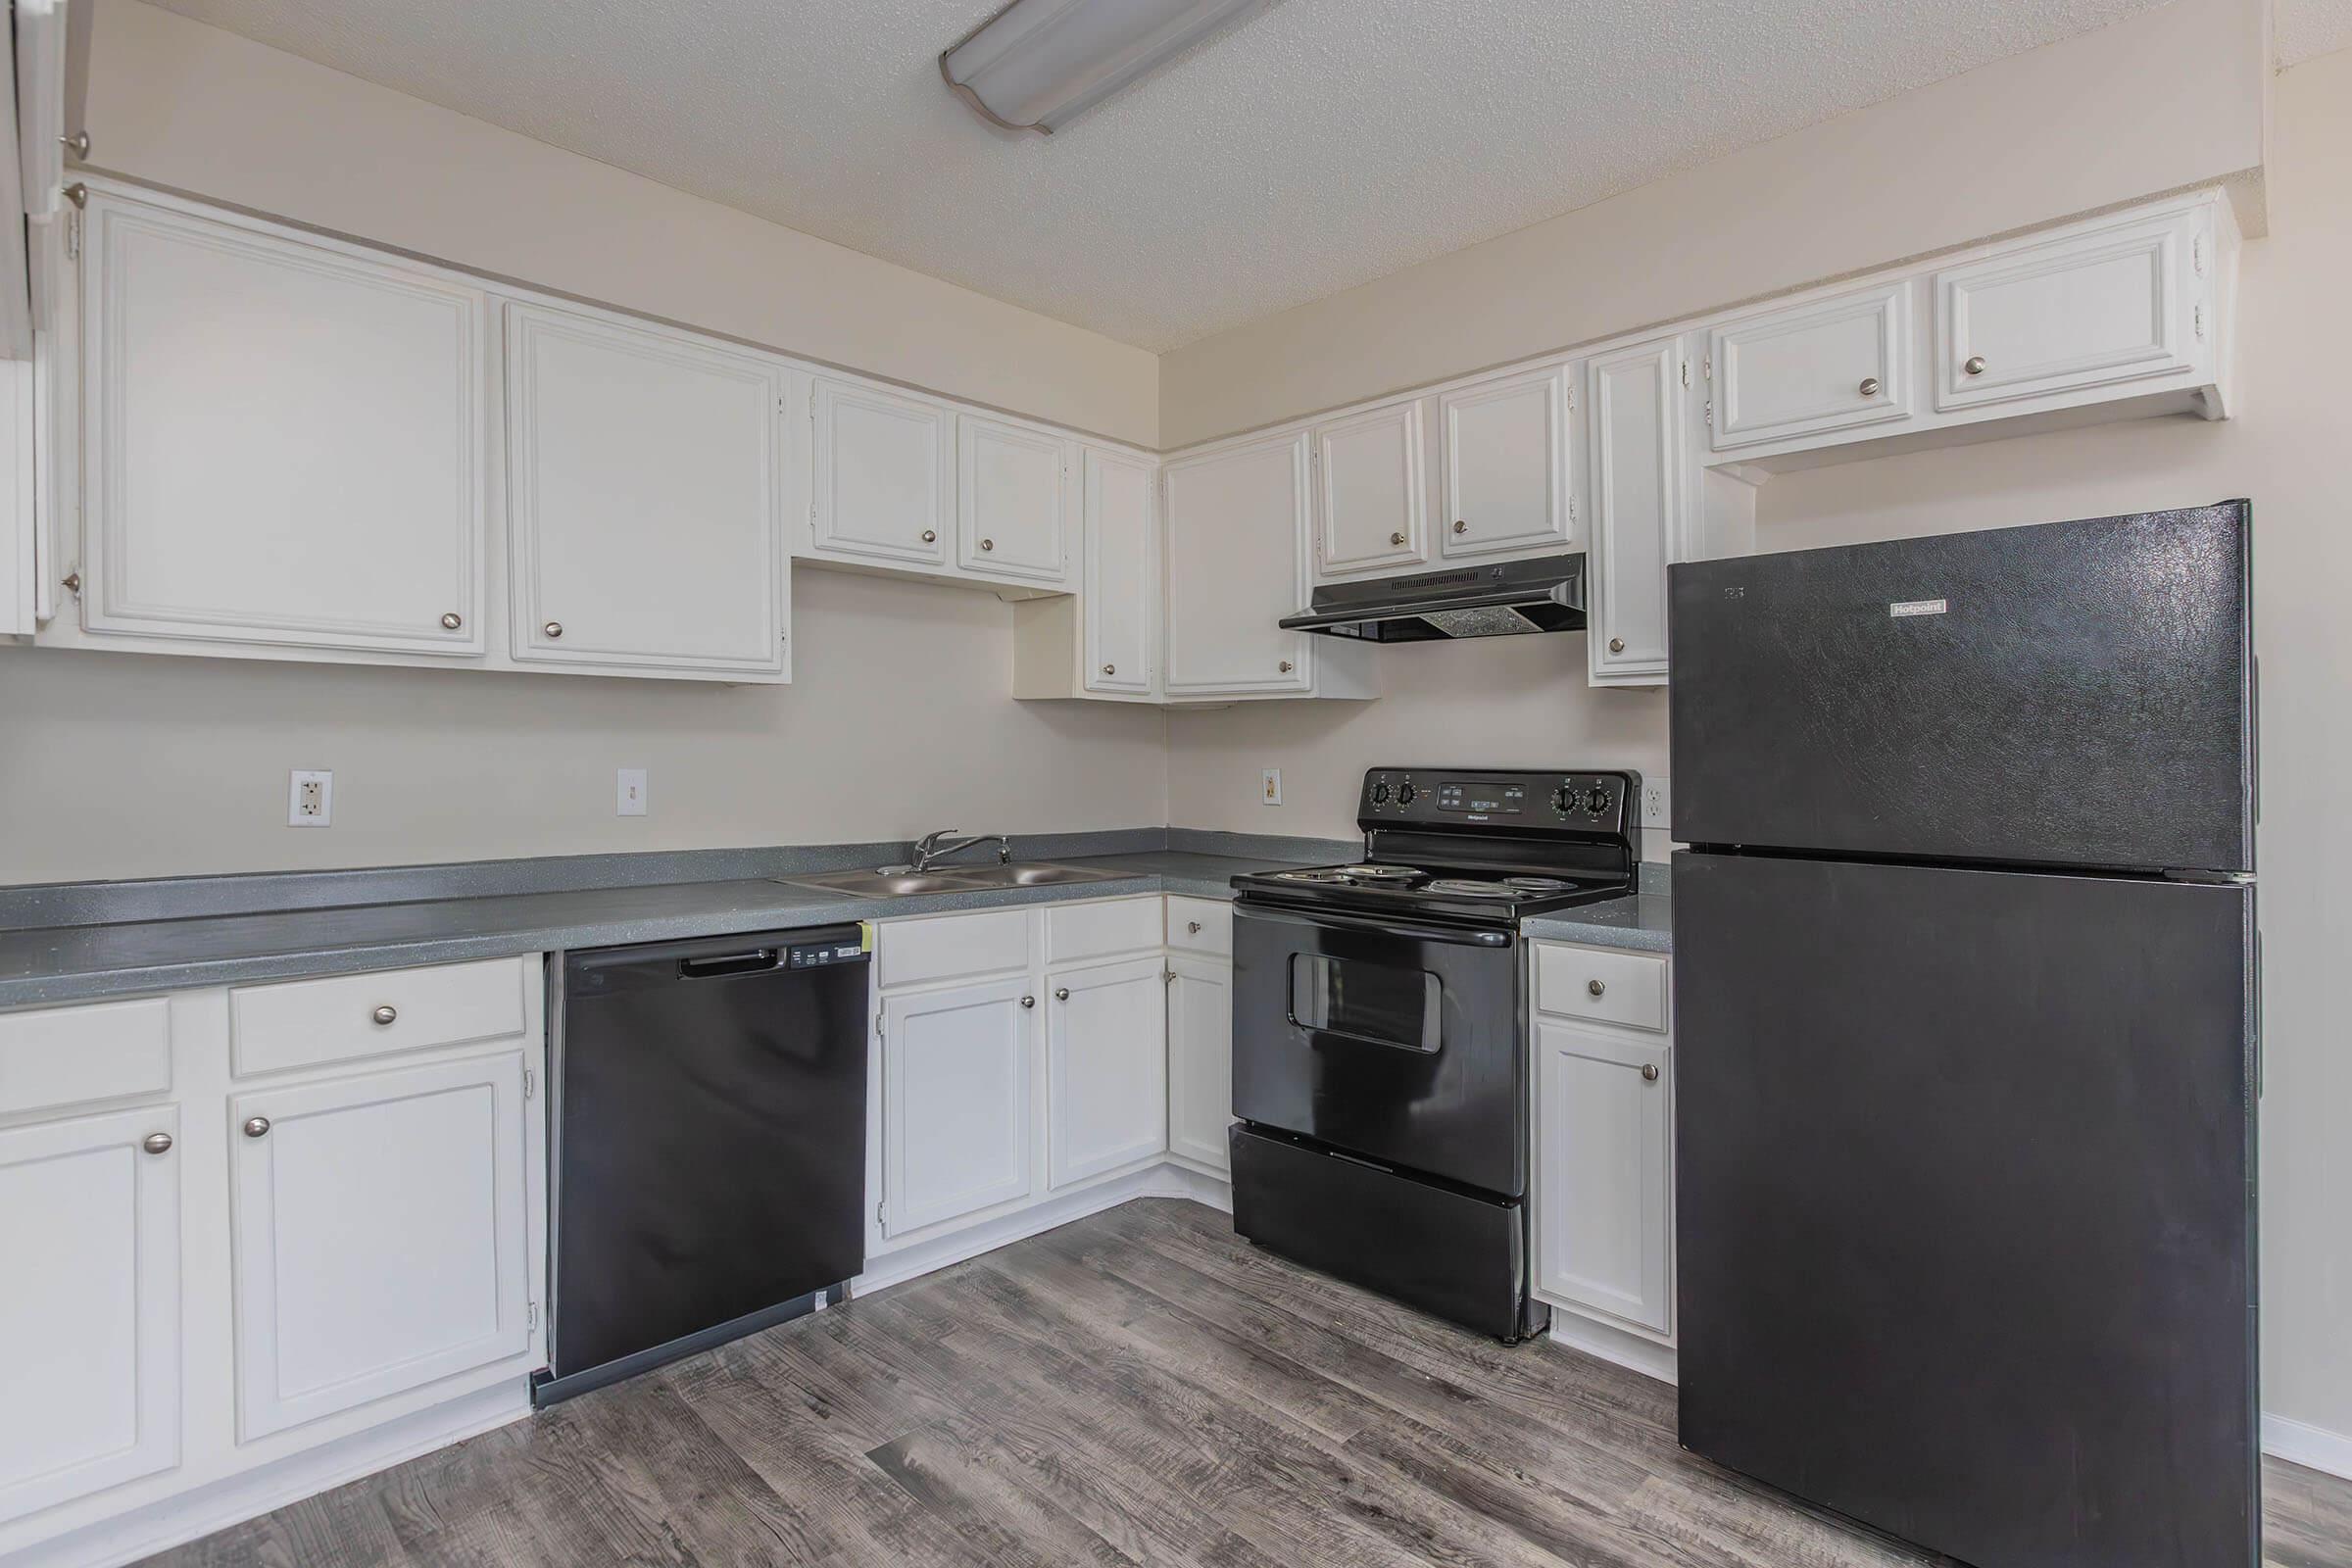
(1481, 891)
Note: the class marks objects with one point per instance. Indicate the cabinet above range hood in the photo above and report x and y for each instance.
(1545, 593)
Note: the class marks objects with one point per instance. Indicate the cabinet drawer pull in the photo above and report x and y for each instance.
(1974, 364)
(1594, 987)
(1870, 386)
(1194, 927)
(255, 1126)
(1283, 666)
(157, 1142)
(1649, 1072)
(385, 1014)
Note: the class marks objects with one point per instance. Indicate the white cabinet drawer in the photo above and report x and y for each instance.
(1812, 369)
(2109, 306)
(1200, 926)
(68, 1056)
(1075, 932)
(1599, 986)
(951, 946)
(309, 1023)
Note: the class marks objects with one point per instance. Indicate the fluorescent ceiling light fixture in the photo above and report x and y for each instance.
(1037, 64)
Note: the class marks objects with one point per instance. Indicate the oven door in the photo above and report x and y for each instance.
(1394, 1040)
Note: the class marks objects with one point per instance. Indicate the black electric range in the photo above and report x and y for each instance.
(1380, 1056)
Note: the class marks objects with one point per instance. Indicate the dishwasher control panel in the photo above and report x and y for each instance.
(810, 954)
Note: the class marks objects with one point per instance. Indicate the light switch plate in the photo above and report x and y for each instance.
(1270, 780)
(310, 798)
(632, 800)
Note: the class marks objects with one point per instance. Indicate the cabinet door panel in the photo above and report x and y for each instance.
(645, 498)
(1830, 365)
(1235, 525)
(379, 1239)
(1122, 573)
(89, 1224)
(1506, 459)
(1199, 1059)
(1013, 506)
(284, 441)
(2084, 312)
(1604, 1174)
(1371, 495)
(885, 475)
(1107, 1068)
(955, 1095)
(1639, 488)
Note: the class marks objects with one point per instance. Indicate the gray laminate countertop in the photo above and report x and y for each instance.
(80, 963)
(1643, 922)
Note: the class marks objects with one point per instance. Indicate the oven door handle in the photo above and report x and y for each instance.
(1458, 936)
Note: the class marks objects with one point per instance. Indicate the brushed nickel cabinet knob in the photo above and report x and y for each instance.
(1870, 386)
(1974, 364)
(157, 1142)
(1028, 1001)
(1194, 927)
(1649, 1072)
(452, 622)
(385, 1014)
(1594, 987)
(930, 536)
(1460, 527)
(1616, 645)
(1061, 992)
(255, 1126)
(1396, 538)
(988, 544)
(1284, 666)
(1110, 669)
(553, 628)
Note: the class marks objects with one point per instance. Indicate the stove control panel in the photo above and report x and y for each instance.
(1504, 798)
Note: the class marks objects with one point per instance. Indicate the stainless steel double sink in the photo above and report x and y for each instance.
(890, 883)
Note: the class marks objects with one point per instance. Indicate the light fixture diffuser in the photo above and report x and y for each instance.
(1038, 64)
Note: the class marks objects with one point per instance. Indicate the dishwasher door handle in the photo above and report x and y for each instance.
(726, 963)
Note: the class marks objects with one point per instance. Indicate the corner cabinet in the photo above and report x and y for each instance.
(284, 439)
(1104, 641)
(636, 459)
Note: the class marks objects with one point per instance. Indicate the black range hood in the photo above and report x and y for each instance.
(1545, 593)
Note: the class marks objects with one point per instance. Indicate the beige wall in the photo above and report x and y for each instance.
(2169, 98)
(193, 107)
(898, 720)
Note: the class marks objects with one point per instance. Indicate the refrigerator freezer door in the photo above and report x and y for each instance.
(2070, 694)
(1965, 1204)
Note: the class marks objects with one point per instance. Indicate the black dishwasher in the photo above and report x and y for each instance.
(709, 1145)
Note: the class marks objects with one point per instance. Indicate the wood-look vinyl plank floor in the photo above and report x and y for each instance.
(1141, 1388)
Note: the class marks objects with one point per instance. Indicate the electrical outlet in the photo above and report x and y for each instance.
(1271, 779)
(310, 799)
(632, 791)
(1656, 801)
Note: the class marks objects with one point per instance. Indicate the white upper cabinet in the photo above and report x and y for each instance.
(2111, 305)
(885, 475)
(1235, 522)
(284, 439)
(1012, 501)
(379, 1241)
(1503, 448)
(1371, 491)
(89, 1383)
(645, 498)
(1807, 369)
(1641, 478)
(1122, 593)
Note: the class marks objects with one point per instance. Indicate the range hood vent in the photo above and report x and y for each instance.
(1543, 593)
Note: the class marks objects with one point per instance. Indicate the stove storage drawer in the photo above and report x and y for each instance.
(1600, 985)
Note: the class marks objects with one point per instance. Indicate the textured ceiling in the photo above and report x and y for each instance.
(2301, 30)
(1321, 145)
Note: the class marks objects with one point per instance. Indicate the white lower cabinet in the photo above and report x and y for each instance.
(1603, 1217)
(379, 1234)
(89, 1227)
(1106, 1085)
(1199, 1057)
(955, 1126)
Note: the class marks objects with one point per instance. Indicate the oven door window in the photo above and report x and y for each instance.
(1375, 1001)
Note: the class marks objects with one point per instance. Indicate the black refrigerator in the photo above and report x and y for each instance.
(1966, 1044)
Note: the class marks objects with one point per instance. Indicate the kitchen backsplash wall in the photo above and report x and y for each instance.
(899, 719)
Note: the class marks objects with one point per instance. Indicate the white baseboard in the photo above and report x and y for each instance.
(1646, 1356)
(2313, 1447)
(232, 1500)
(1156, 1181)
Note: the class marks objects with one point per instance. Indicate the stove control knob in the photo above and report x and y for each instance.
(1380, 792)
(1565, 798)
(1597, 802)
(1405, 792)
